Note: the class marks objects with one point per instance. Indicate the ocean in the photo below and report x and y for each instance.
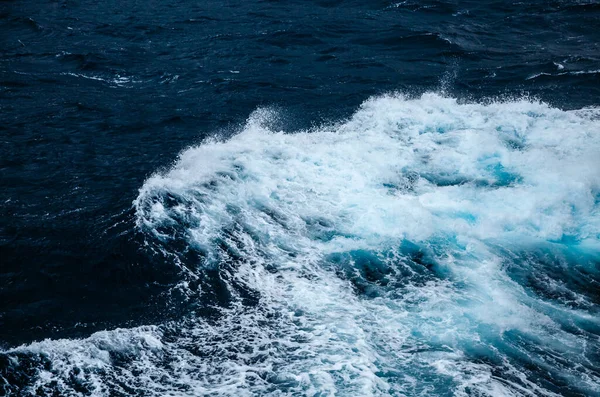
(300, 198)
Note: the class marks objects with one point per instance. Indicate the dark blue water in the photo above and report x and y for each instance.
(96, 97)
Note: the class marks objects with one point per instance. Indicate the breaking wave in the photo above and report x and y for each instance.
(421, 247)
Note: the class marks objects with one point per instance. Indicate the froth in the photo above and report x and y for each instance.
(383, 253)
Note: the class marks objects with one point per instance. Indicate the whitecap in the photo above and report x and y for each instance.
(384, 252)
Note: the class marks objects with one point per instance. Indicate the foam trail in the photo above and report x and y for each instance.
(422, 247)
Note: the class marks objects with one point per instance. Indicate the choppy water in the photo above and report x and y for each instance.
(300, 198)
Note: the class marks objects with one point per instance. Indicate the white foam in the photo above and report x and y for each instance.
(455, 180)
(561, 67)
(115, 81)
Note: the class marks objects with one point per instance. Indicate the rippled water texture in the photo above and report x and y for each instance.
(300, 198)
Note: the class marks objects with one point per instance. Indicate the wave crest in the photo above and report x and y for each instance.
(423, 246)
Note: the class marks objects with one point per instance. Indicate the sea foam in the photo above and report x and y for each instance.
(421, 247)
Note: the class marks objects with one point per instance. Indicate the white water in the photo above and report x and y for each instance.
(380, 250)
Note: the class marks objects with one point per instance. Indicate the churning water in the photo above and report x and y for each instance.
(370, 199)
(421, 247)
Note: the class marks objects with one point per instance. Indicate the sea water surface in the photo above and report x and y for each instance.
(349, 198)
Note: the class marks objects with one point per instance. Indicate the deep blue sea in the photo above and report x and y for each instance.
(300, 198)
